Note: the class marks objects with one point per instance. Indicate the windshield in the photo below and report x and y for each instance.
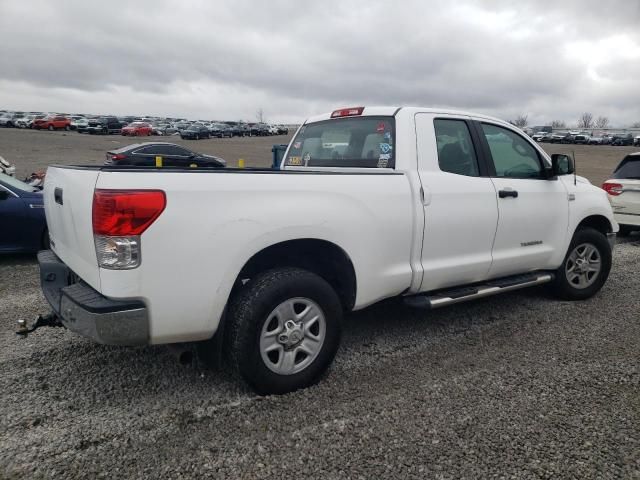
(344, 142)
(16, 184)
(628, 168)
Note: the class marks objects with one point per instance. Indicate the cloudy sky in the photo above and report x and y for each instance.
(225, 60)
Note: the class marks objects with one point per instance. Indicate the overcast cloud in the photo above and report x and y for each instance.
(224, 60)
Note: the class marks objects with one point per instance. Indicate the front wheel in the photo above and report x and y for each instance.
(50, 128)
(284, 330)
(585, 267)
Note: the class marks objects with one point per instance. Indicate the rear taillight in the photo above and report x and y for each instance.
(119, 218)
(117, 156)
(613, 189)
(347, 112)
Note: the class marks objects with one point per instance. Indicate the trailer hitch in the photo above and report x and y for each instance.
(49, 320)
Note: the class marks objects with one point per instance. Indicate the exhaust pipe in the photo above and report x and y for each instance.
(183, 352)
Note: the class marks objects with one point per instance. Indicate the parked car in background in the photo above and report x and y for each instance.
(581, 139)
(273, 130)
(164, 129)
(195, 132)
(240, 130)
(623, 189)
(24, 227)
(636, 140)
(282, 130)
(144, 154)
(104, 125)
(220, 130)
(541, 136)
(52, 122)
(622, 139)
(24, 121)
(181, 125)
(76, 120)
(81, 125)
(137, 129)
(595, 140)
(8, 120)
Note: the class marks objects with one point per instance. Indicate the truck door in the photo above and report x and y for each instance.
(534, 210)
(459, 202)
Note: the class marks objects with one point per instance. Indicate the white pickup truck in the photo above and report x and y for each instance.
(436, 206)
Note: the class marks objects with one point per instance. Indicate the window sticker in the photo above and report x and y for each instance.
(387, 137)
(381, 127)
(294, 161)
(307, 158)
(385, 148)
(383, 162)
(297, 145)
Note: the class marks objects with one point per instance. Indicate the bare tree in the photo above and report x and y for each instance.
(521, 121)
(585, 120)
(260, 115)
(558, 124)
(602, 122)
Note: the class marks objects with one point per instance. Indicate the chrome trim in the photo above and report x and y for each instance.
(10, 191)
(489, 291)
(32, 205)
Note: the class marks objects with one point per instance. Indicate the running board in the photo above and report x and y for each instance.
(443, 298)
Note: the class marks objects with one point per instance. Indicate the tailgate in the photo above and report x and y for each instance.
(628, 202)
(68, 202)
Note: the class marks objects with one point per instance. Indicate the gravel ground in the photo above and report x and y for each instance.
(517, 386)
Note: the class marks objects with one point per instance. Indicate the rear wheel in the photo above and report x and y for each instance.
(50, 128)
(67, 128)
(586, 266)
(284, 330)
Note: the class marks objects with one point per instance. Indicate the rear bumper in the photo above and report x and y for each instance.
(88, 313)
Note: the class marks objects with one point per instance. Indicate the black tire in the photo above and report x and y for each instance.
(50, 128)
(562, 287)
(67, 128)
(253, 306)
(625, 230)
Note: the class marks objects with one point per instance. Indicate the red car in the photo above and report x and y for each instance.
(137, 129)
(52, 122)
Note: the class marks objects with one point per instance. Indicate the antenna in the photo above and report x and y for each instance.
(575, 179)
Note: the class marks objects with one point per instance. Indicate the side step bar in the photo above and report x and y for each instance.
(443, 298)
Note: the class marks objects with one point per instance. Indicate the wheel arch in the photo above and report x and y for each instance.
(322, 257)
(597, 222)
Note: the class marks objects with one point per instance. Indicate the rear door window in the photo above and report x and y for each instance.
(456, 153)
(345, 142)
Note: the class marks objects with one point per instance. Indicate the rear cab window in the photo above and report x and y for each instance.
(355, 142)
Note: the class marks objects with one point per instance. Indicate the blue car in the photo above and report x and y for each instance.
(23, 227)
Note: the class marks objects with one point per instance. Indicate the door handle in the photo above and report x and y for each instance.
(508, 193)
